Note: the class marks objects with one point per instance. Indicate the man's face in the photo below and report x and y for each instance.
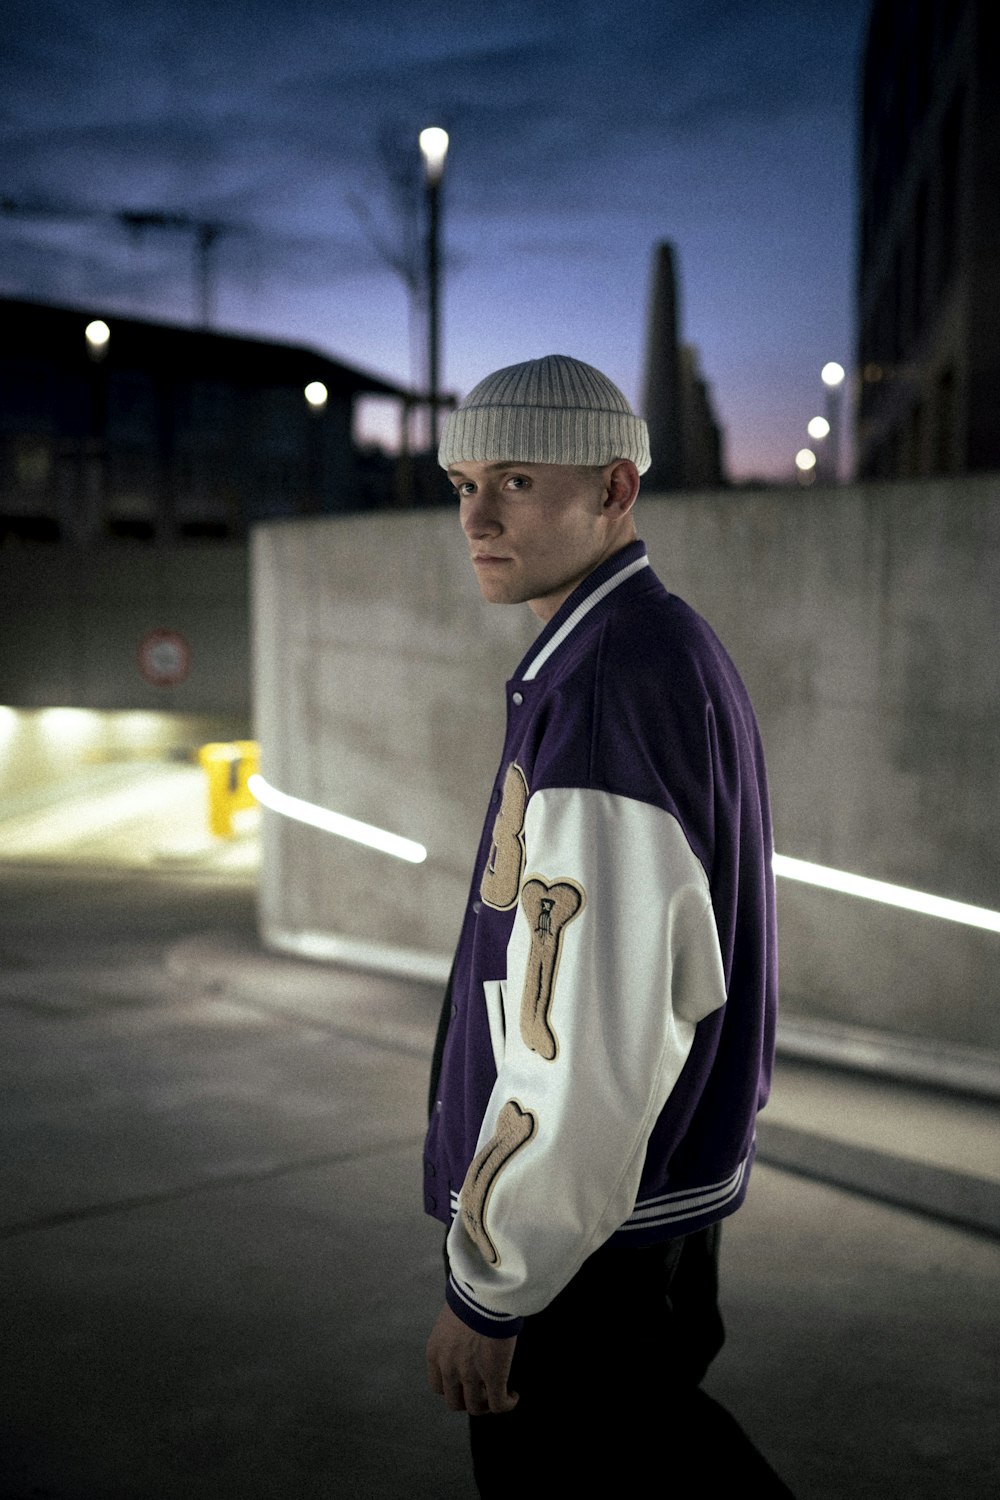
(535, 530)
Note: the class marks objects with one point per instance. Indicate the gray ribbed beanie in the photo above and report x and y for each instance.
(554, 410)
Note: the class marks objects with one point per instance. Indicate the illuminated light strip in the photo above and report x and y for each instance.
(333, 822)
(890, 895)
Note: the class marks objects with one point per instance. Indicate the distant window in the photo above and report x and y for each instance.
(25, 390)
(920, 261)
(205, 531)
(32, 462)
(130, 529)
(915, 442)
(945, 403)
(133, 483)
(212, 412)
(949, 170)
(897, 306)
(15, 530)
(132, 405)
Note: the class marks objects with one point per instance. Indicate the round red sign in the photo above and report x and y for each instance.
(164, 657)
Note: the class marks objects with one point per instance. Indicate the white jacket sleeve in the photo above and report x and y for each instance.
(613, 959)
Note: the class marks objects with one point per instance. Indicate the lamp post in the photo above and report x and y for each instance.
(434, 147)
(832, 376)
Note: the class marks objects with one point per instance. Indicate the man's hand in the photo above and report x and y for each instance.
(469, 1370)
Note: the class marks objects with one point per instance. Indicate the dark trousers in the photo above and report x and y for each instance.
(608, 1378)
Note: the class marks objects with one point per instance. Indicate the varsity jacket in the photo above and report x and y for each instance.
(609, 1026)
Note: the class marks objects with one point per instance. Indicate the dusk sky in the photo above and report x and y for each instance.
(581, 134)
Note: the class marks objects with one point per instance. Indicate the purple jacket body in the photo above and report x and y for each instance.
(610, 1026)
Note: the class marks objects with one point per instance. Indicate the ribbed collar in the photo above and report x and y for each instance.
(595, 587)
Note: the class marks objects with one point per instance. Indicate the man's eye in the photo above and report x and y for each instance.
(518, 482)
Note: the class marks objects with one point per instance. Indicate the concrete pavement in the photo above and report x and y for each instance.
(217, 1279)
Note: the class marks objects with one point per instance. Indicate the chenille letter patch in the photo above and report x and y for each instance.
(502, 876)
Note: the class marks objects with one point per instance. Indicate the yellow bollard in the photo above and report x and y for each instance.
(228, 766)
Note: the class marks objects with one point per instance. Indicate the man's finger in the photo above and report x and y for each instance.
(476, 1401)
(434, 1377)
(499, 1398)
(454, 1395)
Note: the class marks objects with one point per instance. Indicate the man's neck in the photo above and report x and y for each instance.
(550, 604)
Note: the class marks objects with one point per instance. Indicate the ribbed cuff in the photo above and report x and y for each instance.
(479, 1318)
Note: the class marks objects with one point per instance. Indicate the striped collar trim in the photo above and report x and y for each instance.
(629, 564)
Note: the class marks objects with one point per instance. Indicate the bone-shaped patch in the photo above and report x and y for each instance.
(514, 1129)
(549, 910)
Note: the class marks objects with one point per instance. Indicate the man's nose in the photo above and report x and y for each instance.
(478, 516)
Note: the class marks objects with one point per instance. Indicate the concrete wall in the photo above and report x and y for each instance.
(74, 618)
(865, 622)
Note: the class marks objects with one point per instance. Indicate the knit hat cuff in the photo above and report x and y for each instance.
(542, 435)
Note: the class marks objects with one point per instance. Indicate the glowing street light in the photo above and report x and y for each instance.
(434, 146)
(98, 336)
(833, 376)
(818, 428)
(316, 394)
(805, 464)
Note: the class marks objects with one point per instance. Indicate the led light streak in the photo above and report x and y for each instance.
(332, 822)
(889, 895)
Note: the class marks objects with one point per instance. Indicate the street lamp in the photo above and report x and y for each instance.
(805, 462)
(832, 376)
(434, 146)
(98, 336)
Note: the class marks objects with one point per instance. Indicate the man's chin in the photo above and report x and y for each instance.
(500, 591)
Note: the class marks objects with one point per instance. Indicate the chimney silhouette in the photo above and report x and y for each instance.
(663, 404)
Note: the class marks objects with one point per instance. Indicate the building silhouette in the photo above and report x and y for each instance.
(167, 435)
(684, 436)
(929, 243)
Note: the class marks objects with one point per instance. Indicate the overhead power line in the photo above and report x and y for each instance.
(205, 231)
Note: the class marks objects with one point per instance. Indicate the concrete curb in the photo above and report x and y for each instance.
(956, 1197)
(938, 1065)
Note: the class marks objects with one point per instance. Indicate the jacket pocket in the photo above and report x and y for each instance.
(495, 991)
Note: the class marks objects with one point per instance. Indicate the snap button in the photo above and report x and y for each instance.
(454, 1011)
(477, 907)
(431, 1169)
(517, 698)
(430, 1203)
(439, 1106)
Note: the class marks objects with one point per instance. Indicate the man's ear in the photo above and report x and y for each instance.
(621, 487)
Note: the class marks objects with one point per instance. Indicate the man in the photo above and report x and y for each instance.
(608, 1030)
